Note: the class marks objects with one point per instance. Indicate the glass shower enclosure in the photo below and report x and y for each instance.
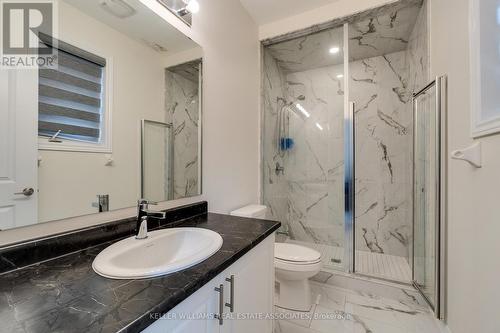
(348, 167)
(429, 186)
(303, 140)
(337, 137)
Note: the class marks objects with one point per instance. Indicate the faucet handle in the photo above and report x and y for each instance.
(143, 204)
(143, 229)
(146, 202)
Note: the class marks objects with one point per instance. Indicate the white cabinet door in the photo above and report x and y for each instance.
(194, 315)
(253, 291)
(253, 295)
(18, 147)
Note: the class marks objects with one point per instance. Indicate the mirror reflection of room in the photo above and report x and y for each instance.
(108, 77)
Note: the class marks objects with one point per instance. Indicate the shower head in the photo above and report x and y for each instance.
(298, 109)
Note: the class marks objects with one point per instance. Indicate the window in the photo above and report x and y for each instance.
(72, 101)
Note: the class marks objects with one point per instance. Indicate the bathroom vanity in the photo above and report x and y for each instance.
(48, 285)
(237, 300)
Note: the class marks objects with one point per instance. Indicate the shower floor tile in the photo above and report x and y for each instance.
(368, 263)
(347, 311)
(383, 265)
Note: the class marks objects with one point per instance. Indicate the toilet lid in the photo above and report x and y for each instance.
(295, 253)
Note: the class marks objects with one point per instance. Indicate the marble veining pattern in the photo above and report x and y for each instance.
(349, 311)
(418, 51)
(335, 23)
(389, 61)
(388, 32)
(20, 255)
(314, 167)
(386, 266)
(311, 190)
(182, 104)
(309, 52)
(311, 186)
(275, 188)
(66, 295)
(383, 165)
(384, 32)
(418, 57)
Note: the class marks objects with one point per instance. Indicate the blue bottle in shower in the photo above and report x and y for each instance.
(286, 143)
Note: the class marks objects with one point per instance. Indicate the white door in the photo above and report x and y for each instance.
(18, 147)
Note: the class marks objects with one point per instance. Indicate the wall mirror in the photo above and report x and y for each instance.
(170, 150)
(114, 119)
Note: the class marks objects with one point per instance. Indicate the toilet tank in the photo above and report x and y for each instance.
(253, 211)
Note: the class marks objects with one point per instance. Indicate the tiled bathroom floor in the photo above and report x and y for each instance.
(338, 310)
(374, 264)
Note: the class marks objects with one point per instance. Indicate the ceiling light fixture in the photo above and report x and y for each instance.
(118, 8)
(340, 76)
(192, 6)
(334, 50)
(319, 126)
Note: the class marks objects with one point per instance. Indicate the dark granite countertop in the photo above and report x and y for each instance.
(66, 295)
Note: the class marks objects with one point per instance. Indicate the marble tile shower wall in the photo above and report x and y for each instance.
(309, 198)
(382, 87)
(182, 110)
(315, 166)
(383, 153)
(418, 57)
(275, 188)
(418, 52)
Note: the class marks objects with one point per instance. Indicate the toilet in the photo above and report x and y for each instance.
(293, 264)
(252, 211)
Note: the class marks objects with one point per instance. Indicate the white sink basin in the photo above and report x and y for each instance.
(163, 252)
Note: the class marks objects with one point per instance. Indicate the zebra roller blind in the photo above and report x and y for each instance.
(71, 95)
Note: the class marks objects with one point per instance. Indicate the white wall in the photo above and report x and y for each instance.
(70, 181)
(474, 218)
(231, 90)
(322, 14)
(230, 117)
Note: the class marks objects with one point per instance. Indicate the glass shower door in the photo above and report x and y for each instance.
(304, 98)
(428, 218)
(156, 161)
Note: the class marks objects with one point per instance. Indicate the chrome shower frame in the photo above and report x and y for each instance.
(168, 126)
(441, 183)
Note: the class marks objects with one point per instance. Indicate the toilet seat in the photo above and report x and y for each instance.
(298, 263)
(294, 267)
(292, 254)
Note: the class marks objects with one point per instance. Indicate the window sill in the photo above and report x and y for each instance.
(67, 145)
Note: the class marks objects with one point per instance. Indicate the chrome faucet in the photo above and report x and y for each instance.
(142, 233)
(143, 212)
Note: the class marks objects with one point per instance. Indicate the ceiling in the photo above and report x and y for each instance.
(266, 11)
(143, 26)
